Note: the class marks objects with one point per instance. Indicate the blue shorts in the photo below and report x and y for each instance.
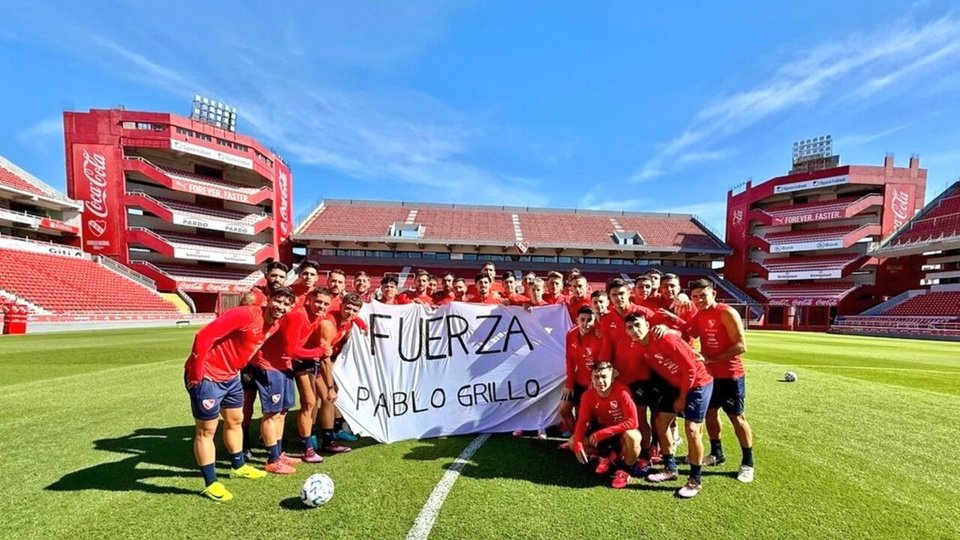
(208, 397)
(276, 389)
(698, 400)
(730, 395)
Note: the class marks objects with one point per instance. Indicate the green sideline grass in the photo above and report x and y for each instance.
(95, 442)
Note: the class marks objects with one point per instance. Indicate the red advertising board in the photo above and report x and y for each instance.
(899, 206)
(96, 177)
(283, 205)
(56, 225)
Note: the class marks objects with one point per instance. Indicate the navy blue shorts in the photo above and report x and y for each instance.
(306, 366)
(698, 400)
(208, 397)
(729, 395)
(276, 389)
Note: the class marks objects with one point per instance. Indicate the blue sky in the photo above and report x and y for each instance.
(610, 105)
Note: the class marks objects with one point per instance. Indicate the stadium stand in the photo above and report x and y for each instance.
(940, 220)
(810, 235)
(945, 303)
(466, 224)
(817, 293)
(360, 220)
(545, 227)
(74, 285)
(12, 180)
(822, 263)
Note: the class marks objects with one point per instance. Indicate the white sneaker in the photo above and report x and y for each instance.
(746, 474)
(689, 490)
(712, 460)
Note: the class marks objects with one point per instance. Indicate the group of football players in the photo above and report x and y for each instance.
(631, 368)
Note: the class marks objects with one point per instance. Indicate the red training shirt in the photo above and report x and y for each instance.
(708, 326)
(225, 346)
(613, 414)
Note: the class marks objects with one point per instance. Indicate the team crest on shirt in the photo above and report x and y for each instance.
(275, 398)
(208, 403)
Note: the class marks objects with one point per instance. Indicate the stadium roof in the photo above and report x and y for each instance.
(395, 223)
(15, 180)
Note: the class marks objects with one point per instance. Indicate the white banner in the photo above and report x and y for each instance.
(458, 369)
(805, 274)
(812, 184)
(806, 246)
(46, 249)
(219, 256)
(212, 224)
(210, 153)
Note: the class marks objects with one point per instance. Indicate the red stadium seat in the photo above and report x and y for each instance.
(72, 285)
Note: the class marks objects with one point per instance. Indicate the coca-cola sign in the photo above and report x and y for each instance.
(283, 186)
(94, 168)
(94, 180)
(899, 207)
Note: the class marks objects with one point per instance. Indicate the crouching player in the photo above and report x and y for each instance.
(212, 377)
(686, 392)
(608, 410)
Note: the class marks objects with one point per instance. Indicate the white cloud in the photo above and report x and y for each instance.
(44, 129)
(295, 83)
(857, 139)
(830, 71)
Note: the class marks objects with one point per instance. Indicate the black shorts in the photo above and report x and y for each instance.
(657, 386)
(248, 378)
(644, 393)
(306, 366)
(729, 395)
(611, 444)
(578, 391)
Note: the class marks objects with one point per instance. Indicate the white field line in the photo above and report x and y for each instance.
(879, 368)
(428, 514)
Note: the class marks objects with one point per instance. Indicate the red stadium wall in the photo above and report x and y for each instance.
(899, 192)
(106, 150)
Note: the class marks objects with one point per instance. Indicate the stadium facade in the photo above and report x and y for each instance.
(802, 244)
(194, 207)
(401, 237)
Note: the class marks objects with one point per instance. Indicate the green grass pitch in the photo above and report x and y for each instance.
(95, 443)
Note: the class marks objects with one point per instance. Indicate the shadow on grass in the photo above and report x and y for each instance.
(533, 460)
(169, 448)
(294, 504)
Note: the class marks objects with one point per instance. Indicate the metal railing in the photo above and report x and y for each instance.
(126, 272)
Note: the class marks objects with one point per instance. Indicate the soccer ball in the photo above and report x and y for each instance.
(790, 376)
(317, 490)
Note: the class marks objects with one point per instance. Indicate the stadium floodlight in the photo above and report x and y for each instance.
(213, 112)
(811, 149)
